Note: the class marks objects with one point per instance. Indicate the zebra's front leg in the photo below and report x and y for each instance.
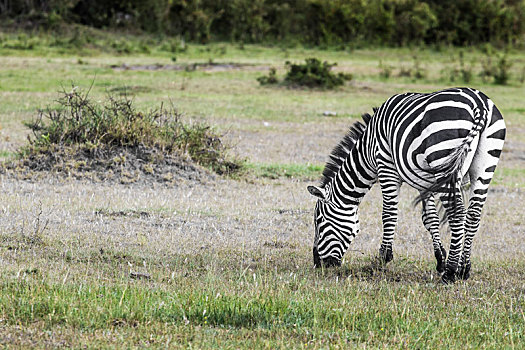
(431, 221)
(389, 217)
(455, 210)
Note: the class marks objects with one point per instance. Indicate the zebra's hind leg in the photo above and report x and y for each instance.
(477, 200)
(455, 210)
(481, 172)
(431, 221)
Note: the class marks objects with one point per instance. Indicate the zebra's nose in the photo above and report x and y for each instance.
(328, 262)
(331, 262)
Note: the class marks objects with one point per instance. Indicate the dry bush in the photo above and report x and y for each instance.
(82, 134)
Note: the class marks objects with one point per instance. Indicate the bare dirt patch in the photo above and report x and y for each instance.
(118, 165)
(207, 66)
(125, 90)
(281, 142)
(514, 151)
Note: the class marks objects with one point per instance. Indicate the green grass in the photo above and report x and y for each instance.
(275, 171)
(341, 308)
(6, 154)
(510, 177)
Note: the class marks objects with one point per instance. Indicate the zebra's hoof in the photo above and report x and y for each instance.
(441, 258)
(386, 255)
(464, 272)
(449, 276)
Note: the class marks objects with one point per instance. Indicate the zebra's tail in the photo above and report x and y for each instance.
(448, 174)
(443, 219)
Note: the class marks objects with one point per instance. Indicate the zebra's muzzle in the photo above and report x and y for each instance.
(328, 262)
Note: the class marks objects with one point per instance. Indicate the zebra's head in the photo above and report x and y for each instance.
(335, 228)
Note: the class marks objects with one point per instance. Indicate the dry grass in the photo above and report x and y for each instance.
(200, 241)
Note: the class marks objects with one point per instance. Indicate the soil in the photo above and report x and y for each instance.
(209, 66)
(121, 165)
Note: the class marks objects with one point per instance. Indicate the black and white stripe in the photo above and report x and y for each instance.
(434, 142)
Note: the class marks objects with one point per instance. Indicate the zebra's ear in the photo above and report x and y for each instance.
(317, 191)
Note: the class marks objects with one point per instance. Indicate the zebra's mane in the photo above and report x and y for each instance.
(343, 148)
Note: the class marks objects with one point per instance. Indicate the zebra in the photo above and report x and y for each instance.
(434, 142)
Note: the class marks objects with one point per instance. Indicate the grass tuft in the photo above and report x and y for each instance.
(79, 125)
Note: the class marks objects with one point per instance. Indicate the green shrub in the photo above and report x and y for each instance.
(269, 79)
(465, 71)
(314, 73)
(499, 71)
(467, 22)
(81, 123)
(416, 71)
(487, 68)
(385, 71)
(173, 46)
(502, 70)
(21, 42)
(461, 72)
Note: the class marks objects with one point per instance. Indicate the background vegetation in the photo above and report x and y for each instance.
(313, 22)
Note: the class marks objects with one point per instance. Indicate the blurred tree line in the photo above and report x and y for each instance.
(317, 22)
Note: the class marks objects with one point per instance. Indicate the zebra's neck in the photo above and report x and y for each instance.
(355, 177)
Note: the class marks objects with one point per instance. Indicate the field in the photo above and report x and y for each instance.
(226, 262)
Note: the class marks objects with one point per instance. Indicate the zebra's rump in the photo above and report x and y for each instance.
(435, 138)
(430, 132)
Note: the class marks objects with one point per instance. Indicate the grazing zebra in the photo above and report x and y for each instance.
(431, 141)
